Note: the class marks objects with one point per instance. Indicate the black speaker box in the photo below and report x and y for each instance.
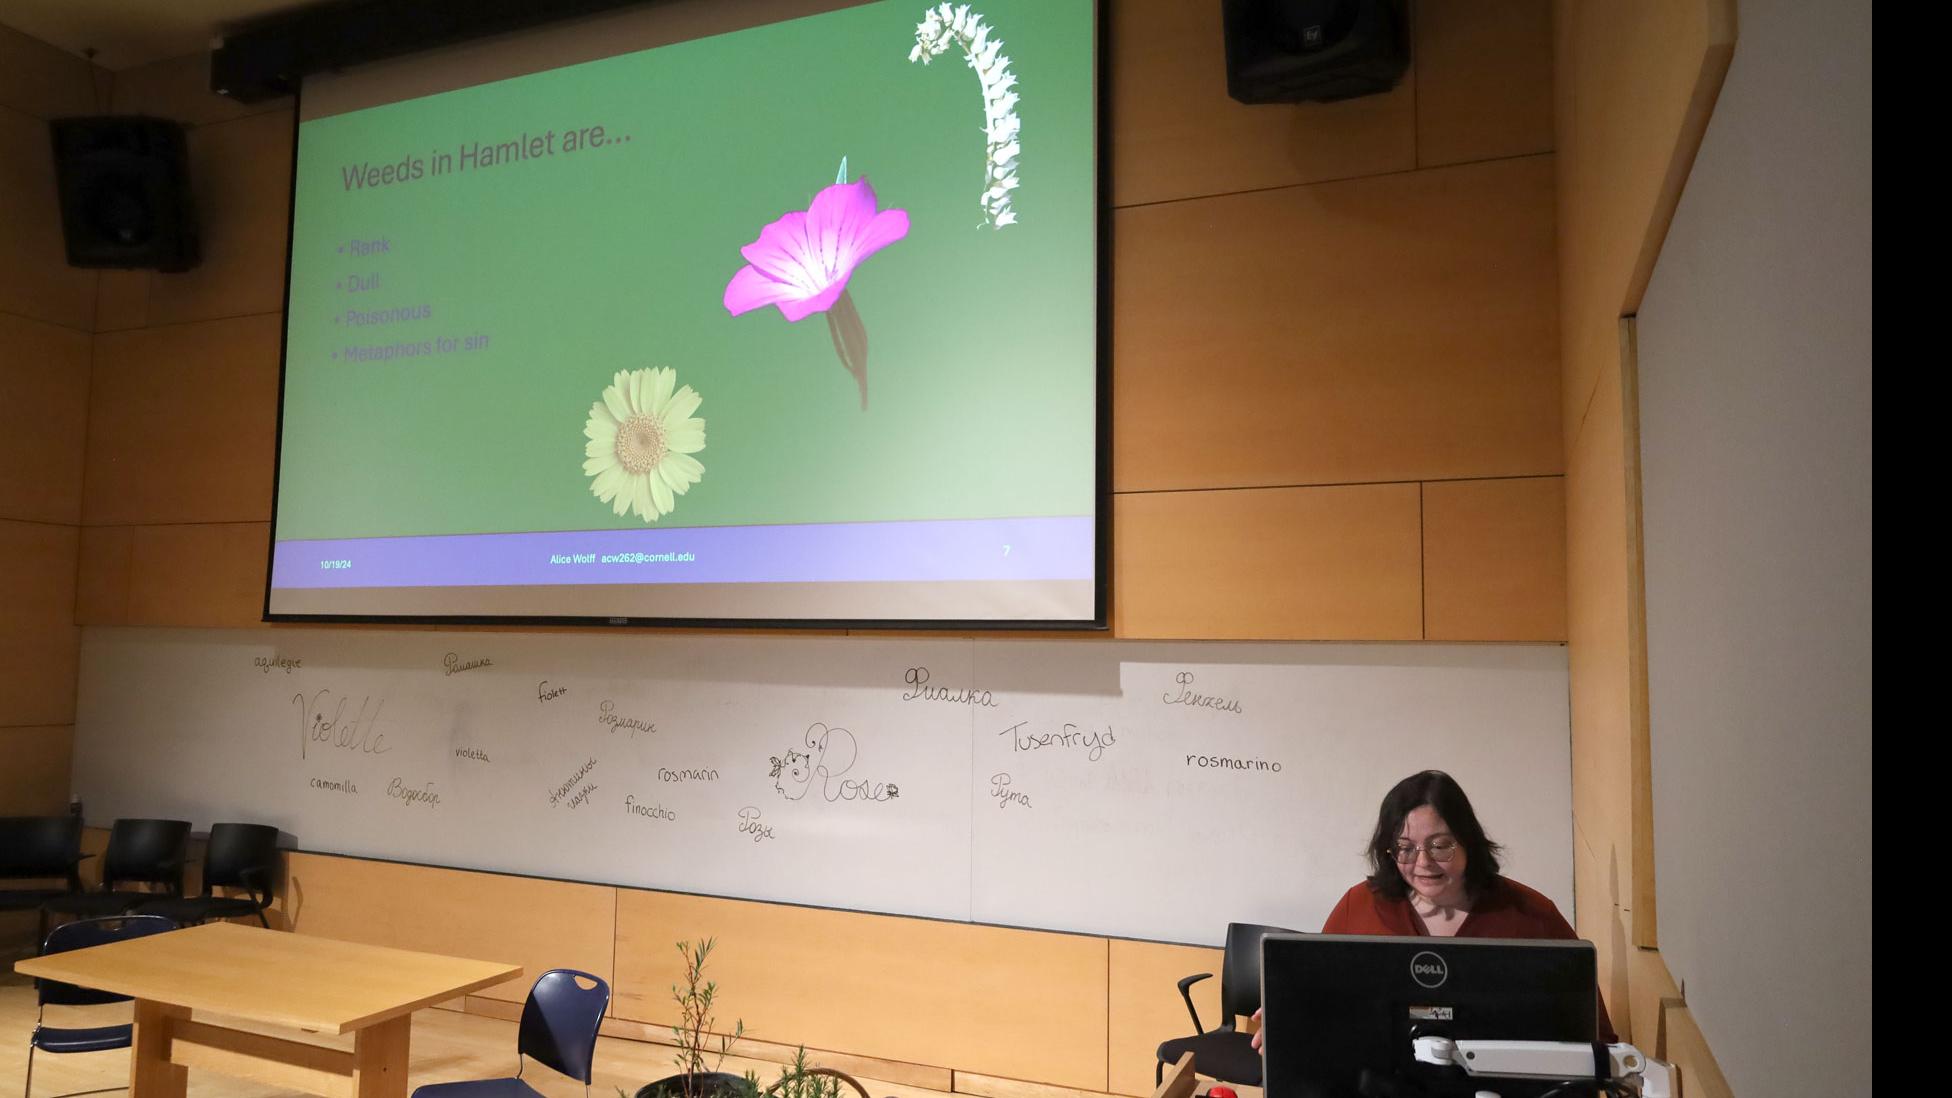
(125, 193)
(1293, 51)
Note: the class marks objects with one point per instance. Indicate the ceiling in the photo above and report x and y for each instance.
(125, 34)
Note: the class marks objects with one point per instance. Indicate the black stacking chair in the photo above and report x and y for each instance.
(559, 1024)
(61, 1039)
(1225, 1053)
(40, 850)
(238, 856)
(139, 852)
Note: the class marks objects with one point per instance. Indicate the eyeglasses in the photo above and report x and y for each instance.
(1440, 850)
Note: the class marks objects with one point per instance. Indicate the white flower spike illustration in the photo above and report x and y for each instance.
(642, 436)
(947, 25)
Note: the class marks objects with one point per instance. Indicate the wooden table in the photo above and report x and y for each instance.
(265, 976)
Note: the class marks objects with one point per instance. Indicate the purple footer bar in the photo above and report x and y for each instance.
(961, 549)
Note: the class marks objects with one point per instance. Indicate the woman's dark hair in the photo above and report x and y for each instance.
(1441, 792)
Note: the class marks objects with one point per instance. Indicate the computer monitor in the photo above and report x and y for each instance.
(1341, 1010)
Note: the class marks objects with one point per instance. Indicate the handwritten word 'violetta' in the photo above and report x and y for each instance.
(749, 825)
(268, 664)
(1187, 696)
(917, 679)
(1005, 796)
(453, 664)
(607, 714)
(1092, 743)
(323, 721)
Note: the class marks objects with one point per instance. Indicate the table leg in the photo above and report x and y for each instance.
(379, 1054)
(151, 1075)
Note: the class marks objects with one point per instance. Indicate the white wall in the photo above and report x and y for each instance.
(1755, 388)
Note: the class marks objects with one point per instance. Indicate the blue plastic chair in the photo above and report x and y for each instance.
(81, 935)
(559, 1024)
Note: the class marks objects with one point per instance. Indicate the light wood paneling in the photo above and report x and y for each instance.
(1146, 1008)
(1014, 1003)
(39, 644)
(1635, 84)
(182, 423)
(1494, 560)
(37, 79)
(179, 88)
(991, 1086)
(1176, 134)
(240, 173)
(1390, 329)
(1687, 1048)
(204, 575)
(43, 419)
(1336, 563)
(1484, 80)
(35, 779)
(35, 279)
(537, 924)
(102, 585)
(122, 300)
(1652, 990)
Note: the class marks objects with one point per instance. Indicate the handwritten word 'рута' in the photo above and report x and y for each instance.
(917, 679)
(1186, 696)
(322, 720)
(1093, 743)
(1005, 796)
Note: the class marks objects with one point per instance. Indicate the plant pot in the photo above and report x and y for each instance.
(711, 1084)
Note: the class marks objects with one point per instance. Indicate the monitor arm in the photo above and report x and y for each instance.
(1625, 1064)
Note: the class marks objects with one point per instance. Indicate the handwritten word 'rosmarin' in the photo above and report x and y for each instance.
(1187, 696)
(1092, 743)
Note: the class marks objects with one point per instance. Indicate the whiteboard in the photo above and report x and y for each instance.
(1142, 790)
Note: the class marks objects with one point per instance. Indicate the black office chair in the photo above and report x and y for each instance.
(238, 856)
(81, 935)
(139, 852)
(559, 1024)
(1225, 1053)
(39, 849)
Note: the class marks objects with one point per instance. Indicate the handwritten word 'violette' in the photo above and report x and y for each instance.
(919, 689)
(453, 664)
(1093, 743)
(749, 825)
(322, 720)
(268, 664)
(607, 714)
(1187, 696)
(1004, 795)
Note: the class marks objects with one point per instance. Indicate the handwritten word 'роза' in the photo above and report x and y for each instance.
(749, 825)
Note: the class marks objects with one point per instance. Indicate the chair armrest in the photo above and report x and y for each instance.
(254, 879)
(1186, 993)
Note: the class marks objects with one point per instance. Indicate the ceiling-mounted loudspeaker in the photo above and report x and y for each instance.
(1294, 51)
(124, 187)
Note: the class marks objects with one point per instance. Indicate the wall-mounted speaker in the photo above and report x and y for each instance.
(125, 193)
(1293, 51)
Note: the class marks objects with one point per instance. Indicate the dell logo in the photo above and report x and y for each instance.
(1429, 970)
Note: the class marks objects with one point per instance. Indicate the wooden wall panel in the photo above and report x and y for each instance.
(1494, 564)
(43, 419)
(1389, 329)
(537, 924)
(207, 574)
(1176, 134)
(182, 423)
(1015, 1003)
(37, 79)
(102, 579)
(1146, 1008)
(1484, 80)
(1652, 991)
(1687, 1049)
(35, 279)
(1339, 563)
(34, 781)
(39, 644)
(241, 174)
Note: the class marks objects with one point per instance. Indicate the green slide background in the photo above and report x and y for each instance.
(982, 342)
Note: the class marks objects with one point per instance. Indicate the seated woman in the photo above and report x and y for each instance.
(1435, 873)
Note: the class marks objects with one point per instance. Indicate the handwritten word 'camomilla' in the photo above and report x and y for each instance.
(1186, 696)
(322, 720)
(1093, 743)
(917, 679)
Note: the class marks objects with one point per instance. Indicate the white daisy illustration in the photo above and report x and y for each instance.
(641, 438)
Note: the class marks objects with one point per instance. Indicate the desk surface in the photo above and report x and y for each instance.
(316, 984)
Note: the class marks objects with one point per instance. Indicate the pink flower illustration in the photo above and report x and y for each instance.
(802, 262)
